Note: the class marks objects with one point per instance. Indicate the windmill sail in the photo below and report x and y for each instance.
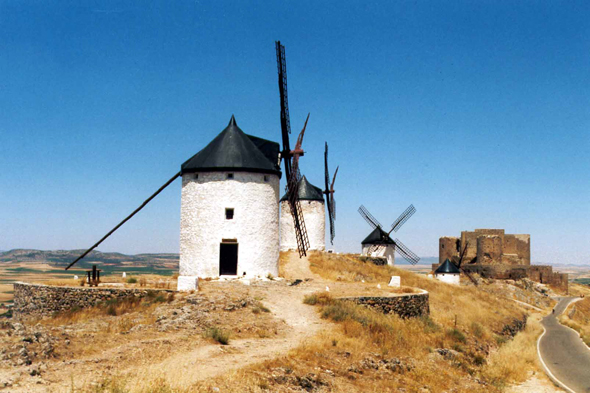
(329, 191)
(291, 157)
(406, 253)
(405, 216)
(372, 221)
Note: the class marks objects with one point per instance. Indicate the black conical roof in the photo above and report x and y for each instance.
(378, 236)
(307, 191)
(447, 267)
(233, 150)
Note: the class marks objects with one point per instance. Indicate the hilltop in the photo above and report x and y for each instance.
(62, 258)
(285, 335)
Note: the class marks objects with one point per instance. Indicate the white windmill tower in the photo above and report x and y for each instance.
(229, 217)
(312, 204)
(313, 207)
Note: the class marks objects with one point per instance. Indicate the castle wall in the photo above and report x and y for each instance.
(517, 249)
(314, 215)
(448, 247)
(469, 239)
(523, 248)
(255, 224)
(489, 249)
(509, 244)
(494, 254)
(559, 280)
(495, 232)
(539, 273)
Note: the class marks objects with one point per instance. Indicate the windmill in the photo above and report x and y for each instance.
(290, 157)
(230, 160)
(379, 241)
(329, 191)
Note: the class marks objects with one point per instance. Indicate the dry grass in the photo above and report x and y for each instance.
(465, 304)
(283, 260)
(577, 316)
(63, 282)
(464, 319)
(217, 334)
(513, 360)
(579, 289)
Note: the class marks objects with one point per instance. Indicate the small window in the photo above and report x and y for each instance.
(442, 246)
(196, 176)
(230, 175)
(229, 214)
(266, 179)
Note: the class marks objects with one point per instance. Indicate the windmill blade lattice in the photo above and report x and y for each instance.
(405, 216)
(333, 201)
(329, 192)
(372, 221)
(406, 252)
(290, 157)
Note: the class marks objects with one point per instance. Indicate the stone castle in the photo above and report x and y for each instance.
(492, 253)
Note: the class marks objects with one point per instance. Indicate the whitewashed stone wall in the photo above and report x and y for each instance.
(385, 252)
(448, 278)
(203, 225)
(315, 222)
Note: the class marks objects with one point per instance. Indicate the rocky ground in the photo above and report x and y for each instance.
(41, 354)
(173, 341)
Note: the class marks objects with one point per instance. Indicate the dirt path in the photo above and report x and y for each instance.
(285, 303)
(298, 268)
(181, 362)
(208, 361)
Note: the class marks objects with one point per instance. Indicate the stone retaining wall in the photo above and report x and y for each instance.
(406, 306)
(45, 300)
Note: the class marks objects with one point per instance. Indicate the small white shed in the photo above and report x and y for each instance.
(448, 272)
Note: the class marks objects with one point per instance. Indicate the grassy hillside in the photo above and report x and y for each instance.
(577, 316)
(469, 343)
(476, 339)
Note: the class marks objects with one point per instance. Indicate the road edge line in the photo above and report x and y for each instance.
(547, 371)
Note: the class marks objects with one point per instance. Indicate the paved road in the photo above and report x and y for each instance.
(564, 353)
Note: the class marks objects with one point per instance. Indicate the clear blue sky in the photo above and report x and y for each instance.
(478, 113)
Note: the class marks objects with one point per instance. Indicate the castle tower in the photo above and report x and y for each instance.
(229, 221)
(448, 248)
(314, 215)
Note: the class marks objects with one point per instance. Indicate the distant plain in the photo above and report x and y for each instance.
(39, 266)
